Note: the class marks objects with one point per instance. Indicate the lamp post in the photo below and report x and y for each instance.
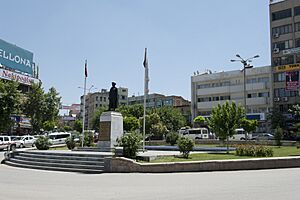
(246, 65)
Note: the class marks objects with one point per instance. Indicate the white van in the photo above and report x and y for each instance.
(241, 134)
(195, 133)
(58, 137)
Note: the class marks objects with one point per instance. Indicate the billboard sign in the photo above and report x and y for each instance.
(15, 57)
(20, 78)
(292, 80)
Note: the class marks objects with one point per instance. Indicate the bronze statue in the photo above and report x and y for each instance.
(113, 97)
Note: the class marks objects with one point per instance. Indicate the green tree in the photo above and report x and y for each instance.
(248, 125)
(78, 126)
(10, 100)
(52, 102)
(49, 125)
(185, 145)
(130, 123)
(225, 119)
(136, 111)
(199, 119)
(295, 111)
(277, 119)
(96, 118)
(278, 136)
(170, 117)
(34, 106)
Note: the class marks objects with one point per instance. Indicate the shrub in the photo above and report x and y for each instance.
(185, 146)
(254, 151)
(130, 143)
(42, 143)
(278, 136)
(172, 137)
(71, 142)
(88, 139)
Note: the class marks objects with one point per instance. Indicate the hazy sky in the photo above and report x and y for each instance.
(182, 36)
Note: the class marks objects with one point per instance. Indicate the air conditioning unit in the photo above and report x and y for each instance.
(276, 50)
(276, 35)
(276, 99)
(285, 99)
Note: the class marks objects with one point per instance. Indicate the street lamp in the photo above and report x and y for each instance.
(246, 65)
(92, 87)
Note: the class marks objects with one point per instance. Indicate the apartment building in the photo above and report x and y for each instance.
(210, 89)
(159, 100)
(285, 52)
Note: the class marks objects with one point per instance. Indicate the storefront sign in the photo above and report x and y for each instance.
(285, 68)
(292, 80)
(16, 58)
(9, 75)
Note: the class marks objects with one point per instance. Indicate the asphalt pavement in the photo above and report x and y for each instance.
(28, 184)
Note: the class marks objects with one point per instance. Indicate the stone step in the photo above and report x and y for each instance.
(94, 149)
(61, 160)
(58, 165)
(70, 154)
(62, 157)
(87, 171)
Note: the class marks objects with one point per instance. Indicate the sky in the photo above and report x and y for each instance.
(182, 36)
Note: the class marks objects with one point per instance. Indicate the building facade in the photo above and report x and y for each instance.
(17, 64)
(158, 100)
(93, 101)
(210, 89)
(285, 52)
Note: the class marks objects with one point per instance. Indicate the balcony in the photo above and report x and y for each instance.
(257, 101)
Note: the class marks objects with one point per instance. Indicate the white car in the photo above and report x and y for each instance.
(26, 141)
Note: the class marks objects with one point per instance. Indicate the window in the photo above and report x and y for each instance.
(100, 98)
(215, 98)
(263, 94)
(123, 97)
(297, 42)
(283, 45)
(279, 77)
(104, 99)
(96, 105)
(281, 30)
(297, 27)
(281, 14)
(298, 58)
(286, 60)
(263, 79)
(251, 80)
(297, 10)
(96, 98)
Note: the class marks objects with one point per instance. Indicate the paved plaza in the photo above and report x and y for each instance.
(28, 184)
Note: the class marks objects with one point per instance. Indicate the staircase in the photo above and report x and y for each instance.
(82, 162)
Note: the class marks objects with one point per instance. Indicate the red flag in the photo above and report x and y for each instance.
(85, 69)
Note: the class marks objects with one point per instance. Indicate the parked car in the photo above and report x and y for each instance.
(265, 136)
(25, 141)
(58, 137)
(7, 143)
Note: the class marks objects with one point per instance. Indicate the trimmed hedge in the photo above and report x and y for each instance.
(254, 151)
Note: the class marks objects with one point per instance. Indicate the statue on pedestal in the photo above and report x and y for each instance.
(113, 97)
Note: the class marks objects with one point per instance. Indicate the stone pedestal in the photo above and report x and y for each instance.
(111, 127)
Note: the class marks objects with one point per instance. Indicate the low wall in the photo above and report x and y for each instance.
(119, 164)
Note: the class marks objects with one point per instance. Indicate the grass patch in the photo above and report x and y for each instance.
(59, 148)
(278, 152)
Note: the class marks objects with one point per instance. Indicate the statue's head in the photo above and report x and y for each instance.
(113, 84)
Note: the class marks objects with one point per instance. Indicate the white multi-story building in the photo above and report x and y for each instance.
(210, 89)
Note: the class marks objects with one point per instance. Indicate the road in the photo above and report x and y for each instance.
(27, 184)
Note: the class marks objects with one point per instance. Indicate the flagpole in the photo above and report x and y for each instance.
(146, 80)
(84, 93)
